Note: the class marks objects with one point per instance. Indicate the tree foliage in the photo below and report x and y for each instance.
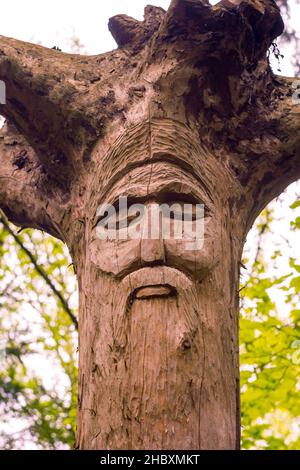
(38, 342)
(270, 345)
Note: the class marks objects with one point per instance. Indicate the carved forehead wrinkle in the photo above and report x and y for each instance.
(158, 140)
(152, 179)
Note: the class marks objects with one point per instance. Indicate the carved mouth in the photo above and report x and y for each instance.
(156, 281)
(160, 290)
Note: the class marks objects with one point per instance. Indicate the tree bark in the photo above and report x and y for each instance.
(187, 108)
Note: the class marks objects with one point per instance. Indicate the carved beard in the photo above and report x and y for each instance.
(162, 380)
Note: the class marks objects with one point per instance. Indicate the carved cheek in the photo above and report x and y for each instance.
(197, 256)
(115, 257)
(197, 262)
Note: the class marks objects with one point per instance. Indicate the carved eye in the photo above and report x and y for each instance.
(184, 211)
(116, 217)
(127, 212)
(128, 217)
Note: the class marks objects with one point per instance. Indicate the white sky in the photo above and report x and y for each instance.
(53, 22)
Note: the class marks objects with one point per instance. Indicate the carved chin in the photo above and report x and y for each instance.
(147, 292)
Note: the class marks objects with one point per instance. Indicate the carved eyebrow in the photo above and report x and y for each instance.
(164, 197)
(180, 163)
(168, 192)
(178, 196)
(161, 198)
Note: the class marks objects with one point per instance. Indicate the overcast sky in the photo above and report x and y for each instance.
(53, 22)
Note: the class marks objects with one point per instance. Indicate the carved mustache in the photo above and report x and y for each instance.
(156, 276)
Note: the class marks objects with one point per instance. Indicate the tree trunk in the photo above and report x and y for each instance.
(159, 370)
(186, 110)
(157, 378)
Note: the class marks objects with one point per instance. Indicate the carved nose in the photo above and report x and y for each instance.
(152, 251)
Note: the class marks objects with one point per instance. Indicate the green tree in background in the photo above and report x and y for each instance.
(38, 341)
(270, 347)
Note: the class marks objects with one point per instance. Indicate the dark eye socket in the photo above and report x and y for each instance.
(121, 218)
(125, 220)
(170, 198)
(184, 211)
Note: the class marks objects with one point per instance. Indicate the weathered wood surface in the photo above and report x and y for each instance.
(186, 105)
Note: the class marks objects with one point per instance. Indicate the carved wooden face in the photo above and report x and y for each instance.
(162, 179)
(153, 185)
